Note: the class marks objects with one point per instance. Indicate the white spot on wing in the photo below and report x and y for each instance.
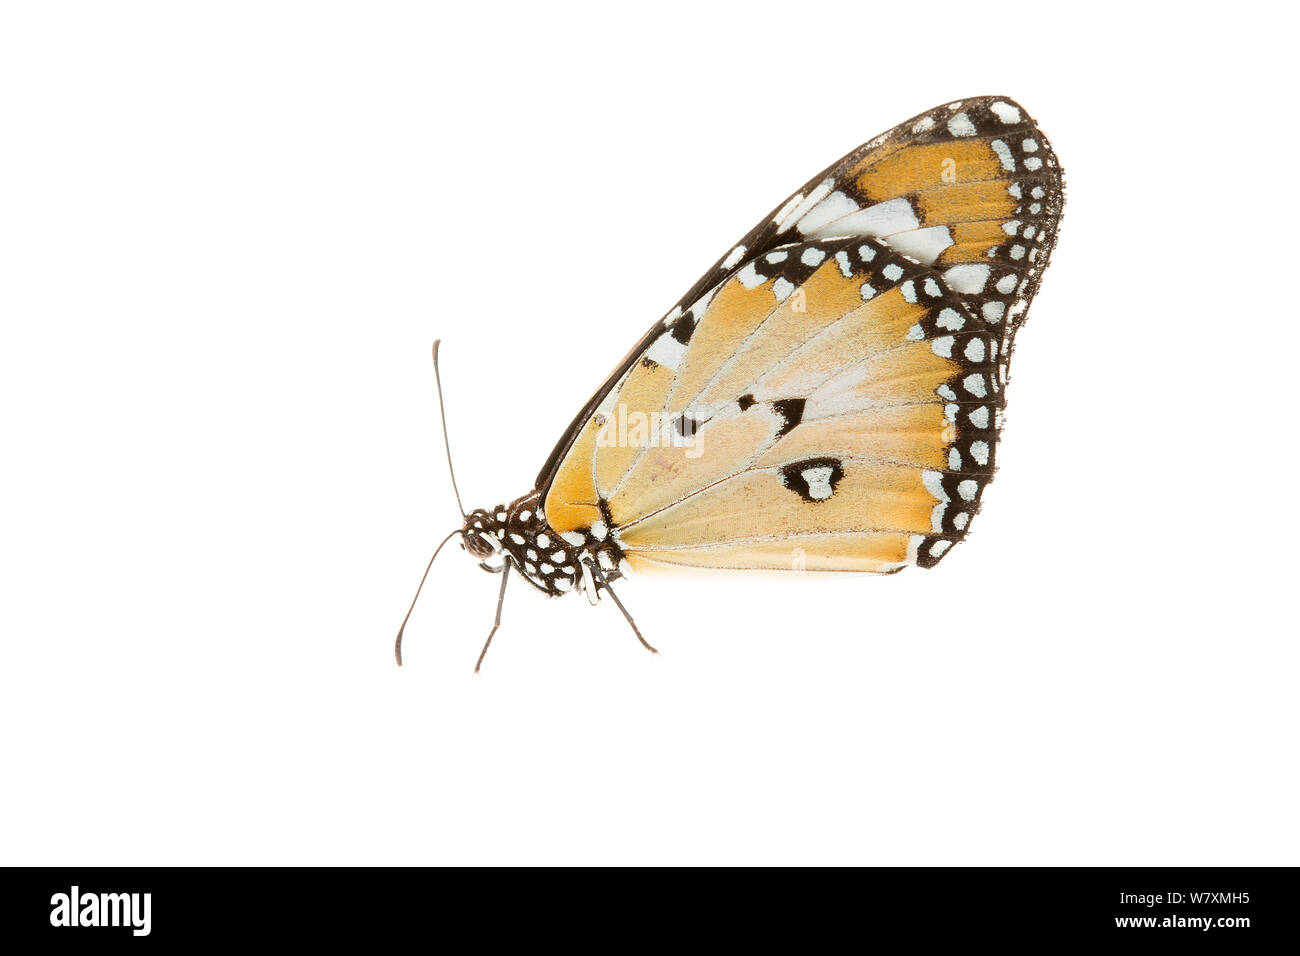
(968, 279)
(733, 257)
(749, 277)
(882, 219)
(933, 482)
(950, 319)
(923, 245)
(667, 351)
(960, 125)
(1004, 154)
(835, 206)
(819, 482)
(783, 214)
(1005, 112)
(801, 209)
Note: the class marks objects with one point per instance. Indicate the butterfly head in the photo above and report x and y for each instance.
(481, 536)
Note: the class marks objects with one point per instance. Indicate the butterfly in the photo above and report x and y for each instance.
(827, 397)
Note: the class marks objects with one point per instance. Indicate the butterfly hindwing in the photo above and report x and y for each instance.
(829, 395)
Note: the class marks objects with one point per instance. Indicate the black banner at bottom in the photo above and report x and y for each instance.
(1223, 908)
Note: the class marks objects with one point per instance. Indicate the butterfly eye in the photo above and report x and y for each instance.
(479, 546)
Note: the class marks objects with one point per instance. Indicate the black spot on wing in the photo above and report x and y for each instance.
(791, 412)
(683, 328)
(686, 426)
(745, 401)
(813, 479)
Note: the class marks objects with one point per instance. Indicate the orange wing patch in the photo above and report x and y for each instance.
(672, 471)
(870, 551)
(572, 501)
(878, 326)
(738, 309)
(768, 503)
(823, 299)
(634, 422)
(913, 168)
(966, 202)
(912, 434)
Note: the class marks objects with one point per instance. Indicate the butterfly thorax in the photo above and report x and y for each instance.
(553, 562)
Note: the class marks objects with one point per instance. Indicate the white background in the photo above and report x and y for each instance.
(230, 233)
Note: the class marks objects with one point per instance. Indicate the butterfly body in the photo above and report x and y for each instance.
(556, 563)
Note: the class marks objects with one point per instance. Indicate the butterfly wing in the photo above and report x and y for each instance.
(828, 395)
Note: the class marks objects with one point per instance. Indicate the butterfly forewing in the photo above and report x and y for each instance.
(828, 396)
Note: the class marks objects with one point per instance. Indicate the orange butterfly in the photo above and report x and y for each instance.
(828, 396)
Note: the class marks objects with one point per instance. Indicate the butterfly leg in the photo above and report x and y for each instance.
(635, 630)
(501, 600)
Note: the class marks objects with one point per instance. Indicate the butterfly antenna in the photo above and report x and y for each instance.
(397, 647)
(442, 411)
